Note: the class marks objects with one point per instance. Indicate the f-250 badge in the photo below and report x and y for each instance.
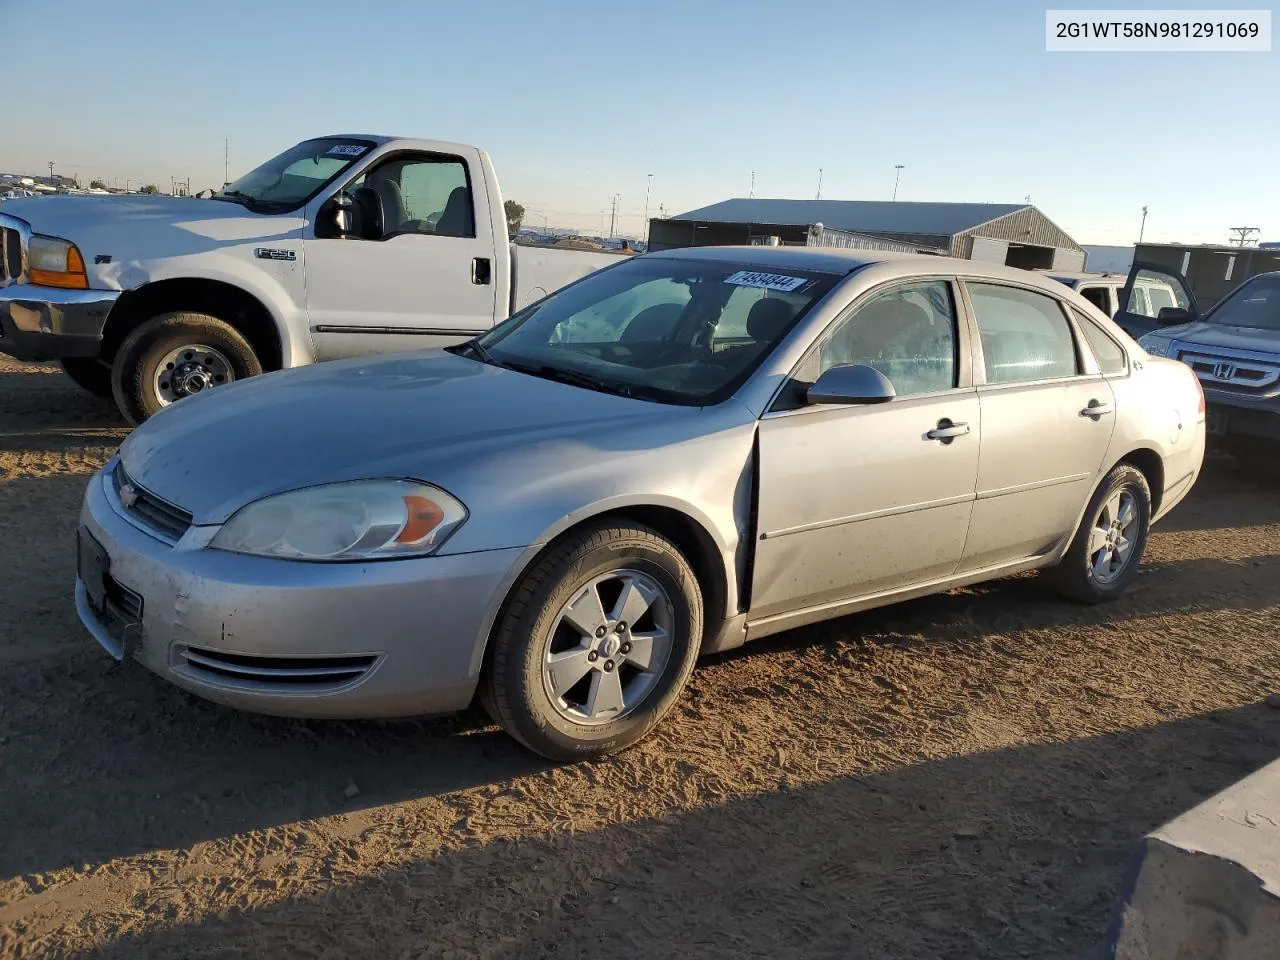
(274, 253)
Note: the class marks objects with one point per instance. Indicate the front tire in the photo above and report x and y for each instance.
(175, 355)
(1107, 548)
(89, 373)
(595, 644)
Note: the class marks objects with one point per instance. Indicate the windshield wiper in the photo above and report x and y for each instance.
(235, 196)
(573, 377)
(474, 349)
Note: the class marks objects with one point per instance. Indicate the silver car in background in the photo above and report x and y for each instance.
(675, 455)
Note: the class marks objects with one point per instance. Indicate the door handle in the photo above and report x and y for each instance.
(946, 431)
(480, 270)
(1097, 409)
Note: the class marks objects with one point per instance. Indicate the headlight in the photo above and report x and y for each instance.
(1156, 346)
(359, 520)
(56, 263)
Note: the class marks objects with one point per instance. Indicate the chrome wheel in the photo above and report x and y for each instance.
(1112, 536)
(190, 369)
(609, 645)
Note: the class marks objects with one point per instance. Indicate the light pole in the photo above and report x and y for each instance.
(647, 188)
(127, 181)
(50, 173)
(819, 195)
(1142, 229)
(896, 177)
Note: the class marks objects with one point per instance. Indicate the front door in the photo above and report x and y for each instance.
(421, 273)
(1046, 426)
(859, 500)
(1149, 290)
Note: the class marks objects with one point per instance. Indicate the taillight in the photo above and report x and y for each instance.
(1199, 391)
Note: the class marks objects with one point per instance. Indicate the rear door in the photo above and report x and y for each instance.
(1149, 289)
(1047, 421)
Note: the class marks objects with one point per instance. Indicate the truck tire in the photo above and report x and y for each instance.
(176, 355)
(567, 675)
(89, 373)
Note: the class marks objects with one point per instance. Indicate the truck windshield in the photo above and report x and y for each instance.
(291, 179)
(675, 331)
(1255, 304)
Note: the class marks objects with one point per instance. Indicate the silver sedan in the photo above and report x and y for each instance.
(675, 455)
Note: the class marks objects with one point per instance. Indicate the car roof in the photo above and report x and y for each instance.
(841, 261)
(1082, 276)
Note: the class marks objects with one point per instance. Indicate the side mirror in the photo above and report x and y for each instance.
(851, 383)
(338, 218)
(1172, 316)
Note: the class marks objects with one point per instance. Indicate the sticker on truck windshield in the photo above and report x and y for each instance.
(769, 281)
(347, 150)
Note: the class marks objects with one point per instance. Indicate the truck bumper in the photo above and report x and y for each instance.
(48, 323)
(1233, 422)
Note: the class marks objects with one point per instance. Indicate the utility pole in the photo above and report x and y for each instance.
(897, 167)
(648, 187)
(50, 173)
(613, 215)
(1243, 235)
(226, 160)
(127, 181)
(1143, 229)
(819, 196)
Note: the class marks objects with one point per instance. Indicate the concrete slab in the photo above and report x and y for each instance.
(1206, 886)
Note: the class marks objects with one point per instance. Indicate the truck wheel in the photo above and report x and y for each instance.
(596, 643)
(89, 373)
(176, 355)
(1107, 548)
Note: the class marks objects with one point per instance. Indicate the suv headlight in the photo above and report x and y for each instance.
(357, 520)
(52, 262)
(1154, 345)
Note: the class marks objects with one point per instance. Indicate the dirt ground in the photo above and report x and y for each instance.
(962, 776)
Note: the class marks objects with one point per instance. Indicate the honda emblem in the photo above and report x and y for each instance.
(1224, 371)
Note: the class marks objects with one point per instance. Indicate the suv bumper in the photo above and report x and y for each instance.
(1232, 420)
(48, 323)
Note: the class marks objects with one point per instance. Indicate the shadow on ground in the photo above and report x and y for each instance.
(1012, 853)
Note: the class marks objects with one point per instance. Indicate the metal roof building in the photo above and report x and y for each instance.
(1015, 234)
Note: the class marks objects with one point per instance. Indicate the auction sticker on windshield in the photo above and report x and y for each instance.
(347, 150)
(769, 281)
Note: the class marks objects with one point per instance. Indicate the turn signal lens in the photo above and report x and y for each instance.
(53, 262)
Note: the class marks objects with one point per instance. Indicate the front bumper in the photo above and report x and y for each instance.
(48, 323)
(1234, 418)
(344, 640)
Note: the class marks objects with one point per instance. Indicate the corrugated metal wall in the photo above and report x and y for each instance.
(860, 241)
(1028, 226)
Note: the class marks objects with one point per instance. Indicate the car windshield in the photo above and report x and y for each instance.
(1256, 304)
(670, 330)
(295, 176)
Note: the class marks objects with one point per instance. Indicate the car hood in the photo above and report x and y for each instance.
(1218, 335)
(431, 416)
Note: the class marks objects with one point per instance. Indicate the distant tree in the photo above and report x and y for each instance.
(97, 185)
(149, 188)
(515, 216)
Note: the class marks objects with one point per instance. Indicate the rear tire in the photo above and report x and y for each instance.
(216, 352)
(89, 373)
(1107, 548)
(618, 570)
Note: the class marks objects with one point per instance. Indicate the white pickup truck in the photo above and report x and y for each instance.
(340, 246)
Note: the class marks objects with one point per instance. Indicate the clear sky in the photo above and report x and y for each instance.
(578, 101)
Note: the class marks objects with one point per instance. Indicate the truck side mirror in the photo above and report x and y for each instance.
(338, 218)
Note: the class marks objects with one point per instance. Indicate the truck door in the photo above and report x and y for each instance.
(1153, 296)
(415, 271)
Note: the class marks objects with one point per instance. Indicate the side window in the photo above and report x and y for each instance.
(1100, 297)
(1152, 291)
(908, 333)
(1025, 335)
(425, 194)
(1109, 354)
